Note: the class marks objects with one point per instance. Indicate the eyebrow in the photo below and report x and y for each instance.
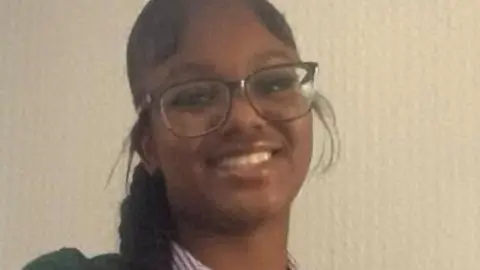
(264, 57)
(205, 69)
(191, 68)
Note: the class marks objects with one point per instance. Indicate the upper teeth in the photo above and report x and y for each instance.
(247, 159)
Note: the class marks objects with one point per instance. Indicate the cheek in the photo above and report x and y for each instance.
(177, 158)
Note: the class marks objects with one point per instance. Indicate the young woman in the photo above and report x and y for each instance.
(225, 135)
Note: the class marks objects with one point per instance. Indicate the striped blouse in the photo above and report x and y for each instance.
(184, 260)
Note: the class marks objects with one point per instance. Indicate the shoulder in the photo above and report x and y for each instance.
(73, 259)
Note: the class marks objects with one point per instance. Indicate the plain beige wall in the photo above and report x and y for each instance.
(404, 76)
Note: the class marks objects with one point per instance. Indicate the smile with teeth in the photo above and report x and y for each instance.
(245, 160)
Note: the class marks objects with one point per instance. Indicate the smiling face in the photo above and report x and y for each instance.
(249, 169)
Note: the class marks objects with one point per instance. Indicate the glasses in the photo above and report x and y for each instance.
(276, 93)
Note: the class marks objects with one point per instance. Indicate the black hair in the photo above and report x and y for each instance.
(147, 227)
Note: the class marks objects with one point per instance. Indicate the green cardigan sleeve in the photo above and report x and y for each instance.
(73, 259)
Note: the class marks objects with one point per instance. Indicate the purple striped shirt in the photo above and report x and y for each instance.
(184, 260)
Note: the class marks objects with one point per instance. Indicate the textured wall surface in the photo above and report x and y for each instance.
(403, 76)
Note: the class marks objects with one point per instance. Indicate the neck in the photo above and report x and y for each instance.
(264, 247)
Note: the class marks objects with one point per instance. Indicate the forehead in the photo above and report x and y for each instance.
(227, 32)
(227, 37)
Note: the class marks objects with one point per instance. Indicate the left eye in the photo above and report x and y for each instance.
(275, 83)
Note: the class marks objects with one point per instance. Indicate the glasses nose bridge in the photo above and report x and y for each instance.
(237, 88)
(241, 113)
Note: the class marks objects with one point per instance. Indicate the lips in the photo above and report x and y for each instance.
(244, 155)
(245, 160)
(247, 165)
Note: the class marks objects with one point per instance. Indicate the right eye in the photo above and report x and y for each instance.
(194, 96)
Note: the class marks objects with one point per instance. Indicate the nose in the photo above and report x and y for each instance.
(242, 117)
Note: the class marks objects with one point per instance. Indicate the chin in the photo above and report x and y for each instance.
(254, 209)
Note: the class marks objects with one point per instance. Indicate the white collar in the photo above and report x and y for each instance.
(182, 259)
